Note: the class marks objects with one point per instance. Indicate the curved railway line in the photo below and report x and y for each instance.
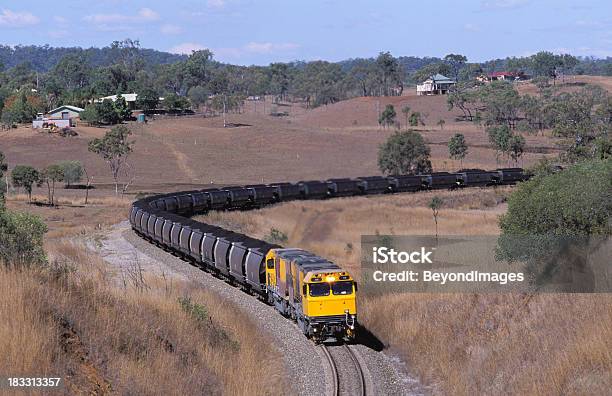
(348, 377)
(164, 220)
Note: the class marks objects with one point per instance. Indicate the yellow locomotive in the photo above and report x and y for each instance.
(313, 291)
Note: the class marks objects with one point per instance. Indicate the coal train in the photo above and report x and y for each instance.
(316, 293)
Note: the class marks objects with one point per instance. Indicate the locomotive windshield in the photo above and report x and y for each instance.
(319, 289)
(342, 288)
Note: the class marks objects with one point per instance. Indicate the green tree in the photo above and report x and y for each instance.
(73, 172)
(435, 204)
(406, 113)
(3, 186)
(404, 153)
(456, 63)
(429, 70)
(198, 67)
(25, 176)
(416, 119)
(387, 117)
(90, 114)
(107, 112)
(21, 239)
(457, 147)
(390, 73)
(516, 146)
(499, 137)
(148, 100)
(114, 148)
(554, 210)
(51, 175)
(198, 96)
(122, 109)
(176, 103)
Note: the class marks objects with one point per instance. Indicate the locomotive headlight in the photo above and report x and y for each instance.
(330, 279)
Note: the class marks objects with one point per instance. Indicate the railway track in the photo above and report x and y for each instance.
(348, 377)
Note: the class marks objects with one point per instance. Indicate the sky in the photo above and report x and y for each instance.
(262, 31)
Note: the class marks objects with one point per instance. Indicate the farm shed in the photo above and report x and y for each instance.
(64, 113)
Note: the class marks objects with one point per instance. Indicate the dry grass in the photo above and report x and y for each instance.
(500, 344)
(462, 344)
(70, 218)
(78, 322)
(333, 228)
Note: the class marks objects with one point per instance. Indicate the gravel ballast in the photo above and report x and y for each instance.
(304, 363)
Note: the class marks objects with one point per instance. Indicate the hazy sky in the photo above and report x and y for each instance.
(262, 31)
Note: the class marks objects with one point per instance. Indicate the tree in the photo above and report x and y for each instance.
(429, 70)
(441, 122)
(176, 103)
(198, 96)
(50, 175)
(21, 239)
(387, 117)
(404, 153)
(456, 63)
(416, 119)
(3, 186)
(107, 112)
(499, 137)
(25, 176)
(516, 146)
(148, 100)
(73, 172)
(90, 114)
(457, 147)
(114, 148)
(406, 112)
(551, 211)
(435, 204)
(197, 67)
(122, 109)
(390, 73)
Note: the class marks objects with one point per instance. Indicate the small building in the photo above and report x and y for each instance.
(65, 112)
(61, 117)
(435, 85)
(130, 99)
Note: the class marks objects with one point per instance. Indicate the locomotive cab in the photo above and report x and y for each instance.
(329, 305)
(316, 293)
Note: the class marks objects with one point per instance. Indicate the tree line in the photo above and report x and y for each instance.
(78, 77)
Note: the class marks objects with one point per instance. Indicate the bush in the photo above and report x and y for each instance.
(555, 215)
(21, 239)
(276, 236)
(404, 153)
(73, 171)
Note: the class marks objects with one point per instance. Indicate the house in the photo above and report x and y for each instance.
(130, 99)
(503, 76)
(65, 112)
(435, 85)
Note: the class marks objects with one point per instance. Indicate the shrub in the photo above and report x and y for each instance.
(21, 239)
(73, 171)
(276, 236)
(404, 153)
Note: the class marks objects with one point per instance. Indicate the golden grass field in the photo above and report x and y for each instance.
(543, 344)
(102, 336)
